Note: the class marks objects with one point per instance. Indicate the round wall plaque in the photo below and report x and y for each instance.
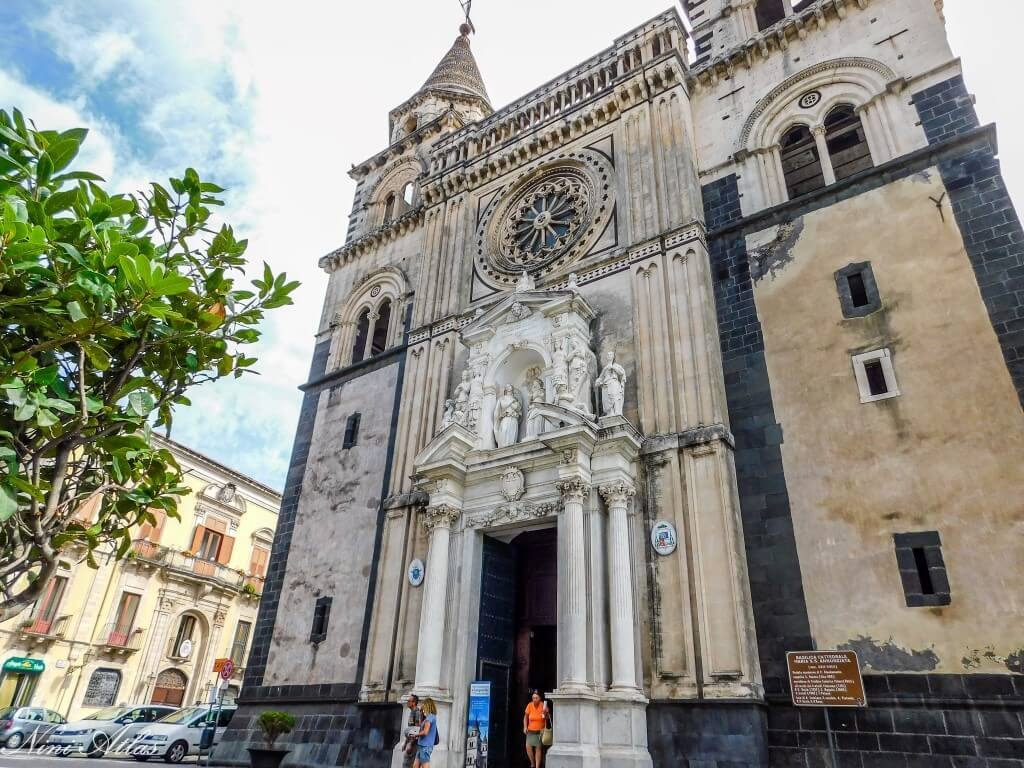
(416, 572)
(185, 650)
(663, 537)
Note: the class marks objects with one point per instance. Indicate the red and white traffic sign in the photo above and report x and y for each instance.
(227, 669)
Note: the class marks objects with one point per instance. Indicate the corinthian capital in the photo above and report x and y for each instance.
(442, 515)
(617, 493)
(574, 489)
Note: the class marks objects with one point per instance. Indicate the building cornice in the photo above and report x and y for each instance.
(217, 467)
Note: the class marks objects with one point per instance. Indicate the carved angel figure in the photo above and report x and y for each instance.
(507, 412)
(476, 399)
(580, 376)
(449, 414)
(461, 393)
(560, 368)
(612, 382)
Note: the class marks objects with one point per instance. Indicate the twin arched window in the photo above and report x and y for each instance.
(395, 204)
(372, 332)
(811, 162)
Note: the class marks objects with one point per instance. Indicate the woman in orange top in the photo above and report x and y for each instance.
(534, 721)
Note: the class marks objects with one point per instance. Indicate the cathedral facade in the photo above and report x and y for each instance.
(707, 350)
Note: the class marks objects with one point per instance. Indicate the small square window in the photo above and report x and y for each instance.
(922, 569)
(858, 291)
(876, 378)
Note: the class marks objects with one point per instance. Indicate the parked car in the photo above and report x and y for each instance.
(27, 725)
(110, 729)
(181, 733)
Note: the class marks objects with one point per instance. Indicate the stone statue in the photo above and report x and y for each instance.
(476, 399)
(579, 377)
(525, 283)
(449, 414)
(612, 382)
(535, 388)
(461, 396)
(560, 367)
(507, 412)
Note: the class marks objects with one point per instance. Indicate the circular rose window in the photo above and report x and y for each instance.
(546, 221)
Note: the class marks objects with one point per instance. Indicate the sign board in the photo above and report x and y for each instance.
(17, 664)
(227, 669)
(663, 537)
(416, 572)
(478, 724)
(218, 664)
(825, 679)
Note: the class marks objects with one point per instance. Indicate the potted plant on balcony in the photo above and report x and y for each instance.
(273, 724)
(249, 590)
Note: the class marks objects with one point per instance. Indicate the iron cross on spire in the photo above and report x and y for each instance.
(466, 6)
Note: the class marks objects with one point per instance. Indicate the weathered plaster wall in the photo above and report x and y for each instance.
(333, 541)
(943, 456)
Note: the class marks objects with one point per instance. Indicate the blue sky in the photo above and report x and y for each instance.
(276, 101)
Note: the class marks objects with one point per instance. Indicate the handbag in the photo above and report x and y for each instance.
(547, 736)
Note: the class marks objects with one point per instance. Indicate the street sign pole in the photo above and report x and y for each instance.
(831, 740)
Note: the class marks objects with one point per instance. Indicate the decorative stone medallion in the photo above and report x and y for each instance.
(416, 572)
(545, 220)
(513, 484)
(663, 537)
(809, 99)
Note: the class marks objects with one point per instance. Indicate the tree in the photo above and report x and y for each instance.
(113, 306)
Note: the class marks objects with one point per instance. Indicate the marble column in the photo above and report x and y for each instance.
(620, 586)
(826, 160)
(573, 608)
(439, 521)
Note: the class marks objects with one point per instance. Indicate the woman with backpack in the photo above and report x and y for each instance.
(428, 737)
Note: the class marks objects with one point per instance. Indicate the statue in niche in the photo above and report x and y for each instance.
(612, 382)
(525, 283)
(580, 375)
(535, 389)
(507, 412)
(476, 399)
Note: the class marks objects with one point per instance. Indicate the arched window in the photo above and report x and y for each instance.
(380, 328)
(102, 689)
(389, 208)
(408, 191)
(362, 330)
(769, 12)
(169, 688)
(800, 162)
(847, 145)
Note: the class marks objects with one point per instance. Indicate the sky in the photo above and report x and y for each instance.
(277, 101)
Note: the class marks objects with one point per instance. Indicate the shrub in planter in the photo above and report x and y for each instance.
(273, 724)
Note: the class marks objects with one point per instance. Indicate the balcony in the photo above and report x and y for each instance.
(40, 630)
(187, 565)
(120, 639)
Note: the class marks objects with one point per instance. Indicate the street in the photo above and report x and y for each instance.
(25, 759)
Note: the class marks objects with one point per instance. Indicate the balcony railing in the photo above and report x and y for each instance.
(183, 563)
(46, 629)
(121, 637)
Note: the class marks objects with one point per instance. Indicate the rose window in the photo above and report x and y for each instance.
(543, 222)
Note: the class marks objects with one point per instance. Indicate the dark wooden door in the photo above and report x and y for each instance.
(496, 644)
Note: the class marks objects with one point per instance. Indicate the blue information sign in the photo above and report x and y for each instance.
(478, 724)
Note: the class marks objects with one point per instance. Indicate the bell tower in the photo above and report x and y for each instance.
(719, 25)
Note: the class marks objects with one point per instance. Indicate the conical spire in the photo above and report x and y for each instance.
(458, 71)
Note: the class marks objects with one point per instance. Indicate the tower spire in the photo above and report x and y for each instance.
(458, 70)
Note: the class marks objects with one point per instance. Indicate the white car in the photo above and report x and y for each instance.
(111, 729)
(181, 733)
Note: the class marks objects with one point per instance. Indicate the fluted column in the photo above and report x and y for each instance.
(573, 598)
(439, 521)
(620, 586)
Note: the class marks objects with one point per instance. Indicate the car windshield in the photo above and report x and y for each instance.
(183, 715)
(110, 713)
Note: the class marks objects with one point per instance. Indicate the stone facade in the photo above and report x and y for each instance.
(768, 300)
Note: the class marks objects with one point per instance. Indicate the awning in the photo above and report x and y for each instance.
(18, 664)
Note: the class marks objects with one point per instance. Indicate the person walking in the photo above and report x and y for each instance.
(534, 721)
(412, 730)
(427, 738)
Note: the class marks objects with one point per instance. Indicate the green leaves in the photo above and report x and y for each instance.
(114, 307)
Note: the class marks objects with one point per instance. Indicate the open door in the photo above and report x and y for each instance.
(496, 645)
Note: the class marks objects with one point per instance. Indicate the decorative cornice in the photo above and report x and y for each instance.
(619, 492)
(404, 224)
(511, 513)
(440, 516)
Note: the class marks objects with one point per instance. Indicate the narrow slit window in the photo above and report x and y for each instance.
(351, 431)
(321, 616)
(858, 291)
(927, 588)
(876, 377)
(362, 331)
